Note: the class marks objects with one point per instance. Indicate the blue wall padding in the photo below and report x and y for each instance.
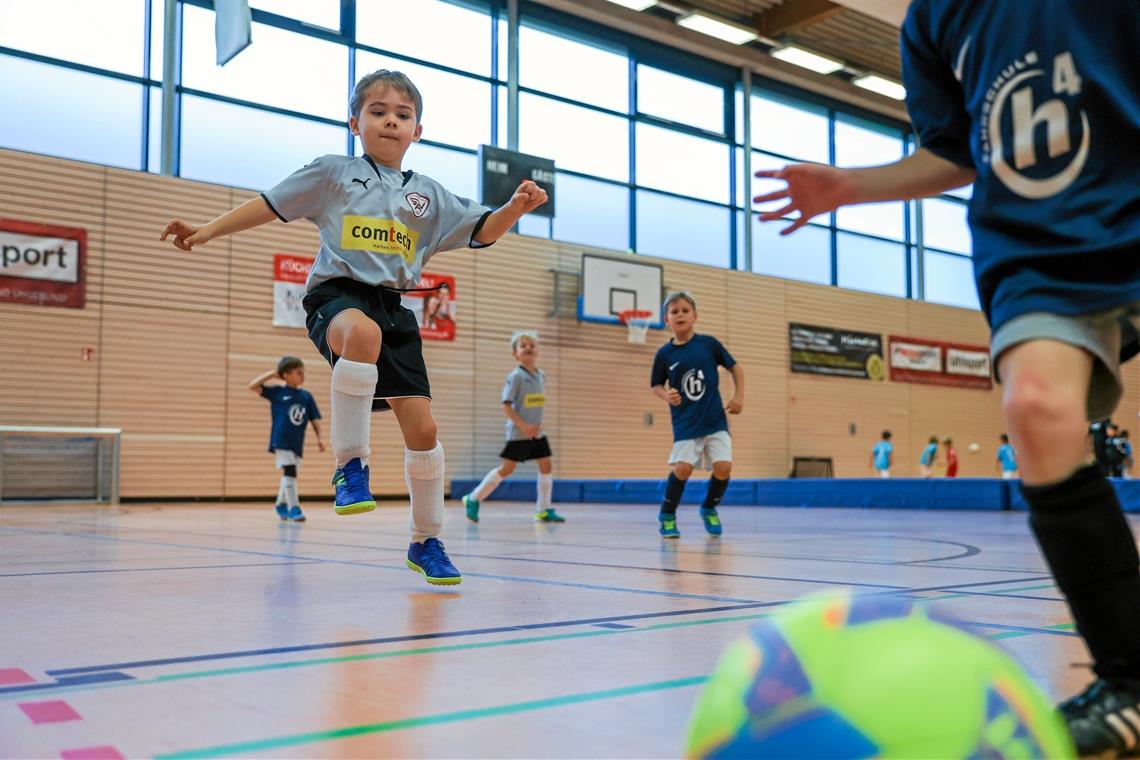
(897, 493)
(1128, 491)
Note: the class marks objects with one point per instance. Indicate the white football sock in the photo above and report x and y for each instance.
(353, 386)
(490, 482)
(290, 486)
(423, 472)
(545, 489)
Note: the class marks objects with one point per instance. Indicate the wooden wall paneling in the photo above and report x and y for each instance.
(144, 271)
(45, 380)
(821, 408)
(756, 336)
(163, 384)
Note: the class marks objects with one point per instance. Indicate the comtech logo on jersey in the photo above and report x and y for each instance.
(532, 400)
(1039, 101)
(365, 233)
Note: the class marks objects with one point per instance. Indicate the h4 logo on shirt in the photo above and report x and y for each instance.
(1015, 88)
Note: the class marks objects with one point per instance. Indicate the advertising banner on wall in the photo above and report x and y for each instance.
(289, 275)
(43, 264)
(932, 362)
(434, 306)
(831, 351)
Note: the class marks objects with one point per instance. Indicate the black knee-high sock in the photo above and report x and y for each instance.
(1082, 532)
(716, 492)
(674, 487)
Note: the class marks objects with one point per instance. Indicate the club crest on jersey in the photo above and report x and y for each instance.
(419, 203)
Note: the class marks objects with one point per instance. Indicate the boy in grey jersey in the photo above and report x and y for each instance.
(378, 225)
(524, 400)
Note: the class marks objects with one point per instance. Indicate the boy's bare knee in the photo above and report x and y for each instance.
(682, 470)
(507, 467)
(721, 470)
(1038, 409)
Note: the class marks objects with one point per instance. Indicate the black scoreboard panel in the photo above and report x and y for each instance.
(501, 171)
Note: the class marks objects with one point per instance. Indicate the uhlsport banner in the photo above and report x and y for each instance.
(933, 362)
(43, 264)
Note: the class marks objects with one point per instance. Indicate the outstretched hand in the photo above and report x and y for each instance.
(812, 189)
(186, 236)
(528, 196)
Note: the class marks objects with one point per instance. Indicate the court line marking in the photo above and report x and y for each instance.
(155, 569)
(427, 720)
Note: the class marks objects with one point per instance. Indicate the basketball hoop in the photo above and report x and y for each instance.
(637, 322)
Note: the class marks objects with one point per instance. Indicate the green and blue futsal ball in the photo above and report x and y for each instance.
(843, 676)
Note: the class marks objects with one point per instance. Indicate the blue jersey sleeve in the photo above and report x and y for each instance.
(723, 357)
(658, 375)
(311, 406)
(934, 96)
(271, 392)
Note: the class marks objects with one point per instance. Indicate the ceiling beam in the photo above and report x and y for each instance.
(793, 15)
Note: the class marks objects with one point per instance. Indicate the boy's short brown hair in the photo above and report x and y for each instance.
(397, 79)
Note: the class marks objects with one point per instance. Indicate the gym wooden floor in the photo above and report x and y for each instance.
(204, 630)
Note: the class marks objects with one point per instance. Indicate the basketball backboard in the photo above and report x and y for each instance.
(611, 285)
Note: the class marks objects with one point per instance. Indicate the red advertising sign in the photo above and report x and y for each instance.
(289, 275)
(43, 264)
(915, 360)
(434, 306)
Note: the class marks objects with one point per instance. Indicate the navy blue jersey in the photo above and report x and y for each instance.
(292, 408)
(691, 368)
(1042, 100)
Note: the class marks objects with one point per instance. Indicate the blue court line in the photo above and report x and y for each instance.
(504, 629)
(409, 637)
(154, 569)
(397, 568)
(641, 548)
(77, 680)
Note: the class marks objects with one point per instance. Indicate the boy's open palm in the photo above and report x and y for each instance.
(528, 196)
(812, 189)
(186, 236)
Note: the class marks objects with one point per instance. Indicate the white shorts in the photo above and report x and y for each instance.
(884, 473)
(926, 470)
(285, 456)
(1009, 474)
(702, 452)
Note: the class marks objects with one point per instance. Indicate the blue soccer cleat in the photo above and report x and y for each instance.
(668, 526)
(431, 561)
(352, 493)
(283, 511)
(296, 515)
(712, 521)
(471, 504)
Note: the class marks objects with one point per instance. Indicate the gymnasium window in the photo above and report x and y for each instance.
(110, 111)
(571, 69)
(805, 255)
(457, 109)
(792, 128)
(154, 132)
(590, 212)
(682, 229)
(875, 266)
(458, 171)
(428, 30)
(682, 164)
(63, 29)
(859, 142)
(950, 280)
(579, 139)
(249, 147)
(680, 99)
(944, 225)
(294, 72)
(322, 13)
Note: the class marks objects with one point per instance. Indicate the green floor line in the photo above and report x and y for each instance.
(223, 750)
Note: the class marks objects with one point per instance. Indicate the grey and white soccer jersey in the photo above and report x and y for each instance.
(378, 226)
(526, 393)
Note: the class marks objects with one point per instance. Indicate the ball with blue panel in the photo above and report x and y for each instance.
(843, 676)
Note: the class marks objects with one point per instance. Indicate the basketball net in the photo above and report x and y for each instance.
(637, 322)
